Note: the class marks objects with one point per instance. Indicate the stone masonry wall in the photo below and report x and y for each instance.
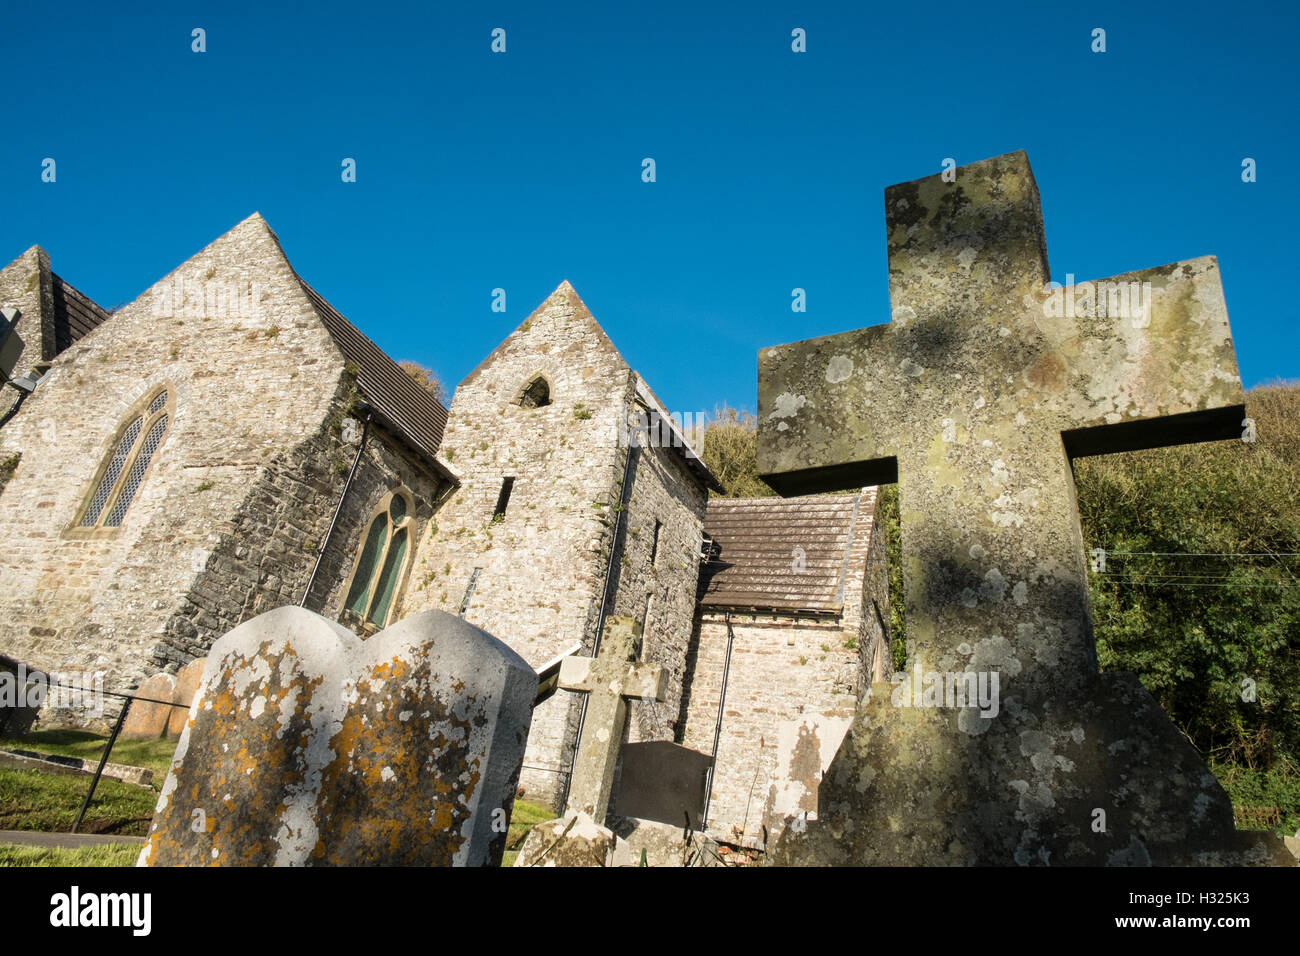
(661, 593)
(781, 668)
(540, 568)
(249, 385)
(875, 655)
(27, 285)
(266, 560)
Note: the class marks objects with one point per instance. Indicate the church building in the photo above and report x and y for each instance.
(229, 443)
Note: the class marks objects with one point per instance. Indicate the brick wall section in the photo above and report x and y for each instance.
(250, 388)
(782, 667)
(542, 567)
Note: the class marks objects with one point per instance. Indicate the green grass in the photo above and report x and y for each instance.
(34, 800)
(153, 754)
(31, 800)
(107, 854)
(525, 816)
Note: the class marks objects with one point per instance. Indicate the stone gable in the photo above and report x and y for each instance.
(257, 390)
(538, 573)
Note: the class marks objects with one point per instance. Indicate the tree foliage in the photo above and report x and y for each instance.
(728, 445)
(426, 378)
(1201, 592)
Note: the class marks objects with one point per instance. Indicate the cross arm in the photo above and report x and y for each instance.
(1154, 357)
(646, 681)
(823, 412)
(575, 674)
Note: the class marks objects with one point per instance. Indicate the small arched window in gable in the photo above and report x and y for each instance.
(121, 476)
(536, 394)
(380, 564)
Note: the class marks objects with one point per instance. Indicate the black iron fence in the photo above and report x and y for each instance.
(76, 691)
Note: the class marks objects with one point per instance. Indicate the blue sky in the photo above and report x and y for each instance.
(478, 170)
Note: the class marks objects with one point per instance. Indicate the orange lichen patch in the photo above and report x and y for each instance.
(394, 669)
(223, 702)
(295, 758)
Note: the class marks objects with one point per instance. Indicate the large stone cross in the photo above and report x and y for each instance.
(977, 395)
(608, 679)
(975, 398)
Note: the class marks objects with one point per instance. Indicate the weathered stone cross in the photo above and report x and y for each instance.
(975, 398)
(609, 679)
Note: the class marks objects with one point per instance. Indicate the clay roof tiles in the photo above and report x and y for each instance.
(755, 564)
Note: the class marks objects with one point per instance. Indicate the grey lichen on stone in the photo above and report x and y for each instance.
(975, 398)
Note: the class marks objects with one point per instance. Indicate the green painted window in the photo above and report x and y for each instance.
(380, 564)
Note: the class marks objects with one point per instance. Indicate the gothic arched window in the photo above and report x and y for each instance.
(380, 564)
(122, 473)
(536, 393)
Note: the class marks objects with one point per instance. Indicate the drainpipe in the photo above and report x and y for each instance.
(619, 521)
(320, 555)
(717, 729)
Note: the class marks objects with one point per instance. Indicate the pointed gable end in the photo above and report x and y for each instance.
(564, 305)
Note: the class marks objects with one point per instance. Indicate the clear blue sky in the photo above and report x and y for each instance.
(478, 170)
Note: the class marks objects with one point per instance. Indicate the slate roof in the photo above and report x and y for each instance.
(753, 566)
(401, 404)
(75, 314)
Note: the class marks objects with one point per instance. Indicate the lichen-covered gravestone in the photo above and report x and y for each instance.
(975, 397)
(187, 685)
(308, 746)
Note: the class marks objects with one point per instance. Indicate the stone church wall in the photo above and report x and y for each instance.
(248, 386)
(661, 593)
(27, 285)
(266, 560)
(782, 667)
(538, 571)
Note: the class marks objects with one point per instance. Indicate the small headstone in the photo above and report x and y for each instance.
(148, 717)
(804, 749)
(311, 747)
(187, 685)
(663, 781)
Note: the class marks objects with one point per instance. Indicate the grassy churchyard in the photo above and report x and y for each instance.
(46, 802)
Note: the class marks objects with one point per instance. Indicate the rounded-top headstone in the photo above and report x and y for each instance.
(309, 746)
